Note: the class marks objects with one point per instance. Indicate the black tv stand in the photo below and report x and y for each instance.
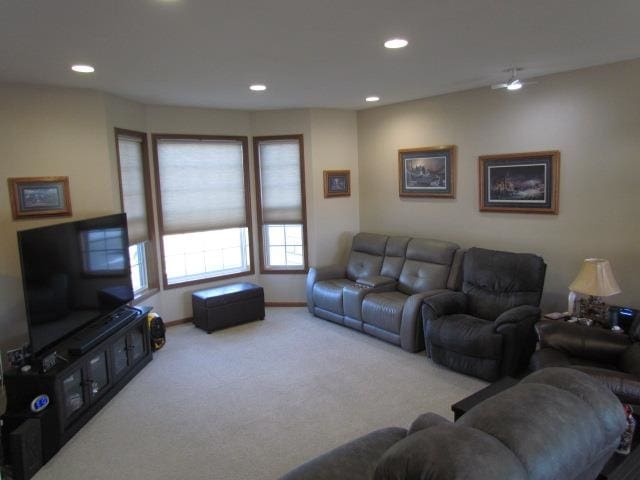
(79, 388)
(95, 333)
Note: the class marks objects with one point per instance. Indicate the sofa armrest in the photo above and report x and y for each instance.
(446, 303)
(411, 333)
(374, 281)
(580, 341)
(427, 420)
(516, 315)
(318, 274)
(355, 459)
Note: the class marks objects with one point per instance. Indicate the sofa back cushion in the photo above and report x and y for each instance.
(367, 252)
(496, 281)
(427, 265)
(557, 421)
(394, 255)
(449, 452)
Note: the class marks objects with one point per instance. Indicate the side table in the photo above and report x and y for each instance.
(467, 403)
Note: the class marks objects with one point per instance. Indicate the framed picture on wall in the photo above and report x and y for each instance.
(39, 197)
(337, 183)
(520, 182)
(427, 171)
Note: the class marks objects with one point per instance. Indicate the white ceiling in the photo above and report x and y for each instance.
(322, 53)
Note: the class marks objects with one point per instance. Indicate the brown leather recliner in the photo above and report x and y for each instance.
(613, 358)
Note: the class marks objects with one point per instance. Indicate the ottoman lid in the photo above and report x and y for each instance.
(228, 293)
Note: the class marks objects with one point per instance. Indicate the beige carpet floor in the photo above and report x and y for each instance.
(253, 401)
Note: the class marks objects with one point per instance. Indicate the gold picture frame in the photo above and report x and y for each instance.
(337, 183)
(33, 197)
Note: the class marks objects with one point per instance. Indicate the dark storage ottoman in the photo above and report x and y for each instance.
(227, 305)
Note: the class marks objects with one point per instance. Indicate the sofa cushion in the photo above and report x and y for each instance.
(384, 310)
(355, 460)
(496, 281)
(427, 265)
(445, 452)
(328, 294)
(550, 426)
(367, 252)
(394, 255)
(465, 334)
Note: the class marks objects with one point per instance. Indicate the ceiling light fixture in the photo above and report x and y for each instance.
(396, 43)
(514, 85)
(372, 98)
(83, 68)
(258, 88)
(514, 82)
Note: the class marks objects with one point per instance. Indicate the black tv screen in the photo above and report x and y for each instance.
(73, 274)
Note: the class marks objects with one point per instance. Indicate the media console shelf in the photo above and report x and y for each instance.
(79, 387)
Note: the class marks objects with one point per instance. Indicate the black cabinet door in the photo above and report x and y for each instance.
(119, 356)
(98, 374)
(73, 393)
(137, 344)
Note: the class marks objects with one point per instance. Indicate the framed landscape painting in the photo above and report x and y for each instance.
(337, 183)
(39, 197)
(520, 182)
(427, 171)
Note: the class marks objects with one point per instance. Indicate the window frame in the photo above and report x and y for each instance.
(155, 138)
(151, 256)
(303, 195)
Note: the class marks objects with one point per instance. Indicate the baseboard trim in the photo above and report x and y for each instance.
(173, 323)
(285, 304)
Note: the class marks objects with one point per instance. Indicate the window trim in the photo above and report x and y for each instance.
(256, 160)
(155, 138)
(153, 283)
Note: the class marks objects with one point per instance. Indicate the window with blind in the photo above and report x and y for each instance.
(279, 168)
(135, 192)
(204, 209)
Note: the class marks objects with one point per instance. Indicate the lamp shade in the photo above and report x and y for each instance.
(595, 278)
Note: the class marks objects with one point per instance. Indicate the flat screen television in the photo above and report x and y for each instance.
(73, 274)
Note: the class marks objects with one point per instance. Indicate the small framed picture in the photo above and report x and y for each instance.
(337, 183)
(427, 172)
(520, 182)
(39, 197)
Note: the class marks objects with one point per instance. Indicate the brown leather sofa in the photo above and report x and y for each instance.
(612, 358)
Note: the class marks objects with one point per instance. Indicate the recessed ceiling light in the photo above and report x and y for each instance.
(372, 98)
(83, 68)
(258, 88)
(396, 43)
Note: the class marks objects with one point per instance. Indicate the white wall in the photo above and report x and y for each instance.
(334, 146)
(592, 116)
(69, 132)
(48, 132)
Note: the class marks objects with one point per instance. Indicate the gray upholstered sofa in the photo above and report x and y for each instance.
(556, 424)
(381, 288)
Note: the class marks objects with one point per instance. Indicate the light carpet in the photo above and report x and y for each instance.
(253, 401)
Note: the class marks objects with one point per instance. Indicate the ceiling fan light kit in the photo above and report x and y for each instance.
(514, 82)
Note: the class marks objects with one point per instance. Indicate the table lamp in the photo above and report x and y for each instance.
(596, 280)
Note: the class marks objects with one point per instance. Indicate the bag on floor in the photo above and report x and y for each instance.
(156, 331)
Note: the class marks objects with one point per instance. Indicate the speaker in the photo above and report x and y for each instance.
(26, 449)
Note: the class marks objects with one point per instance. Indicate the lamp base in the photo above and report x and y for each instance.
(595, 309)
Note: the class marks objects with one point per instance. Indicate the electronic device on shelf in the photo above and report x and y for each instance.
(89, 337)
(622, 317)
(74, 274)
